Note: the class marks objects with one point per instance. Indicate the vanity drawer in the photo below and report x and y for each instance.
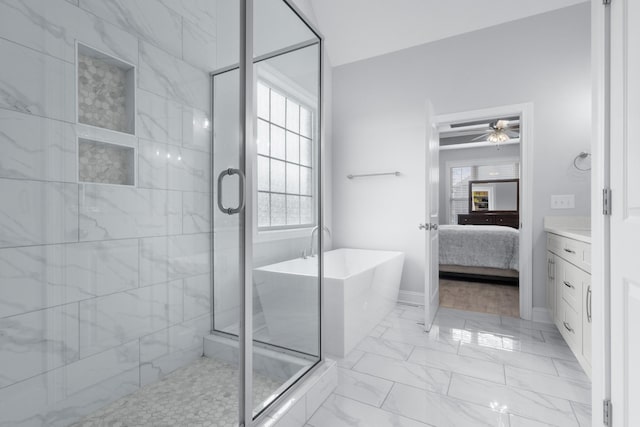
(570, 326)
(571, 282)
(574, 251)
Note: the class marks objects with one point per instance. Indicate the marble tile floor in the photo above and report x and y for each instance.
(472, 369)
(481, 297)
(202, 394)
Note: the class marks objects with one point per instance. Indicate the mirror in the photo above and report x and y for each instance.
(499, 195)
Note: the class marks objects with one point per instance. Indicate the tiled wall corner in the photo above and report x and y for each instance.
(119, 274)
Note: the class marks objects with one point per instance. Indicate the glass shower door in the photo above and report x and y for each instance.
(266, 203)
(286, 200)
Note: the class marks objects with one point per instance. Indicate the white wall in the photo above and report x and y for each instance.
(465, 154)
(378, 118)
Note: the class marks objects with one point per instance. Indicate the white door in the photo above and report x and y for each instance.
(625, 219)
(432, 175)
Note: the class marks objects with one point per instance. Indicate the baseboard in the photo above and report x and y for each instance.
(410, 297)
(541, 315)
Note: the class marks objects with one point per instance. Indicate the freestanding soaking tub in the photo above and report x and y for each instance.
(361, 288)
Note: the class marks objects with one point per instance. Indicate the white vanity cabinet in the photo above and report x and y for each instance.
(569, 291)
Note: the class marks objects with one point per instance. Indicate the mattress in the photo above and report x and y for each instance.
(479, 246)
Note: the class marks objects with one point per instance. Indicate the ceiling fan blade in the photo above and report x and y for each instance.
(481, 137)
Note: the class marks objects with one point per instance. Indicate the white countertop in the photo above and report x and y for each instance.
(581, 234)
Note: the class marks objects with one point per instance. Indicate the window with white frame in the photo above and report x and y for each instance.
(460, 175)
(285, 161)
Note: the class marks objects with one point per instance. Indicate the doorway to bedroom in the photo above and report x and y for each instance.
(480, 171)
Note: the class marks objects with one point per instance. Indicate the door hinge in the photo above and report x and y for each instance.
(606, 412)
(606, 201)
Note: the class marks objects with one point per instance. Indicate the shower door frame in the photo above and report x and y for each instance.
(247, 153)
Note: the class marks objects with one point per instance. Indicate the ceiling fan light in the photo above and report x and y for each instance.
(498, 136)
(502, 124)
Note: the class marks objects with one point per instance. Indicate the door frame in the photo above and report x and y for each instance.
(600, 224)
(525, 111)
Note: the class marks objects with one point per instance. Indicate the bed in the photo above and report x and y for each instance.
(479, 252)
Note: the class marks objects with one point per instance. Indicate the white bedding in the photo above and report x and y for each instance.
(479, 246)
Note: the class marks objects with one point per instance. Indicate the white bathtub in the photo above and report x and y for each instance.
(361, 288)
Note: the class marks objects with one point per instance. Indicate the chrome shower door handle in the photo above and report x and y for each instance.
(229, 172)
(434, 226)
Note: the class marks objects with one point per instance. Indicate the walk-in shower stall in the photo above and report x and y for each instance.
(156, 156)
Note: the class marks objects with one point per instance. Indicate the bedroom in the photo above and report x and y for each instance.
(479, 192)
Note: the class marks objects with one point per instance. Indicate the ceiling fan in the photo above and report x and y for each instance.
(500, 130)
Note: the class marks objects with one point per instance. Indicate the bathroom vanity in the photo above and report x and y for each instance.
(569, 294)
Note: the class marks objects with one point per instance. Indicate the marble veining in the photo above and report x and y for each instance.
(174, 257)
(421, 376)
(150, 20)
(114, 319)
(113, 212)
(60, 396)
(159, 119)
(37, 84)
(37, 277)
(200, 47)
(482, 381)
(36, 148)
(170, 77)
(165, 166)
(202, 13)
(53, 26)
(361, 387)
(21, 222)
(420, 405)
(197, 296)
(36, 342)
(196, 212)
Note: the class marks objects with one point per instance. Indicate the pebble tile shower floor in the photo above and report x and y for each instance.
(203, 394)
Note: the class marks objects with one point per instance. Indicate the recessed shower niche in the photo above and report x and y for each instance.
(106, 91)
(104, 163)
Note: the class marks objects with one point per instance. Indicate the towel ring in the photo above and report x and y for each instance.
(583, 155)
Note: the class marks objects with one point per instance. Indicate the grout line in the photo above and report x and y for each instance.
(573, 409)
(36, 50)
(358, 361)
(388, 394)
(167, 282)
(450, 381)
(116, 239)
(504, 372)
(72, 362)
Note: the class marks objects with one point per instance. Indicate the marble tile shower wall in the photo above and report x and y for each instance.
(103, 288)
